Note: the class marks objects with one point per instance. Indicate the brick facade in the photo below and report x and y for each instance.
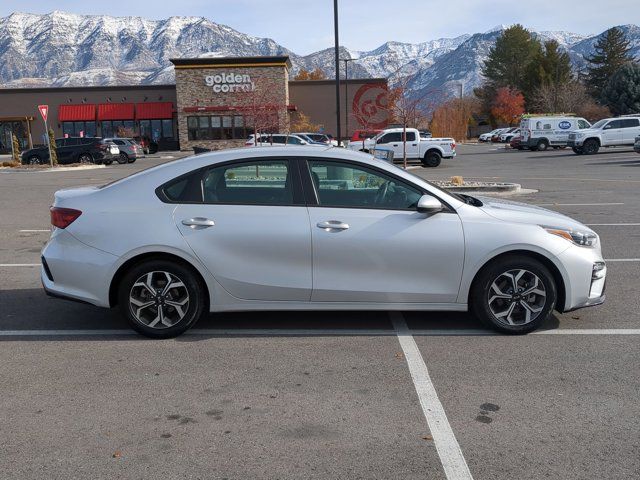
(230, 87)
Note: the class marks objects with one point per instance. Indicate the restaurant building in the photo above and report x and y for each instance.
(215, 103)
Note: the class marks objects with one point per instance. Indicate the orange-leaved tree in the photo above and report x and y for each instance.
(507, 105)
(316, 74)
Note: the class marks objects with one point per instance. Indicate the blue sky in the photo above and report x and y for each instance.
(305, 26)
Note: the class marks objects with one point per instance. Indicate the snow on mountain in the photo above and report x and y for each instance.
(64, 49)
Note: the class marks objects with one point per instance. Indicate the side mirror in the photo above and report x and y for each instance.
(429, 205)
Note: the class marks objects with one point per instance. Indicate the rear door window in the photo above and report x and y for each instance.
(630, 122)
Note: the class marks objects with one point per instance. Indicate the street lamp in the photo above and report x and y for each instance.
(346, 94)
(337, 64)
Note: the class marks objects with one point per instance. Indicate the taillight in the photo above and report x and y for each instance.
(453, 146)
(63, 217)
(248, 144)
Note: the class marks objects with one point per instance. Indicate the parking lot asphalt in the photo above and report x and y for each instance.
(328, 395)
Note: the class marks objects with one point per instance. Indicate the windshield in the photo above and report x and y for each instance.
(599, 124)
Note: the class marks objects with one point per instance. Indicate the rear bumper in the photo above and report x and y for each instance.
(76, 271)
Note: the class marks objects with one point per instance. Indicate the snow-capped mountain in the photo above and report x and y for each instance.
(63, 49)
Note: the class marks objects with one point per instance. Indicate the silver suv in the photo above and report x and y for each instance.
(609, 132)
(130, 151)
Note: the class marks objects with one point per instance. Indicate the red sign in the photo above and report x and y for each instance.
(44, 111)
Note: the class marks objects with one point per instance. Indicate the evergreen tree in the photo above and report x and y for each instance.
(550, 68)
(622, 92)
(611, 53)
(508, 59)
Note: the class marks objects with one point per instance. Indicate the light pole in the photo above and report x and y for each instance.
(337, 64)
(346, 94)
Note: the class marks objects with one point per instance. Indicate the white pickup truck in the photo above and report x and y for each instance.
(429, 151)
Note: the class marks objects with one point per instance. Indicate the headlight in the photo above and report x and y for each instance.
(579, 135)
(578, 237)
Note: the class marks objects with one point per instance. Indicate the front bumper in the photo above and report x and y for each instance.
(586, 277)
(576, 143)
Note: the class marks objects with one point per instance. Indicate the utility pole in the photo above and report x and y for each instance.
(337, 63)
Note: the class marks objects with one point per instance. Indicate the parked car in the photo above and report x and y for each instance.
(279, 139)
(609, 132)
(130, 151)
(74, 150)
(302, 234)
(516, 143)
(509, 134)
(321, 138)
(542, 132)
(495, 138)
(486, 137)
(636, 145)
(360, 136)
(149, 147)
(309, 140)
(427, 151)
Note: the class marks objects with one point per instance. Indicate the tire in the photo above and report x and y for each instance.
(132, 160)
(34, 160)
(431, 159)
(122, 158)
(577, 150)
(542, 145)
(590, 147)
(496, 278)
(85, 158)
(175, 319)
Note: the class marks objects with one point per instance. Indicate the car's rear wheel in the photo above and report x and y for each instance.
(590, 147)
(432, 159)
(161, 299)
(85, 159)
(123, 158)
(514, 294)
(543, 145)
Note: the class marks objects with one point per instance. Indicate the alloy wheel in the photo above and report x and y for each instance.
(516, 297)
(159, 299)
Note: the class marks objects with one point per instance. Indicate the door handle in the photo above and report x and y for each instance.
(332, 225)
(198, 222)
(395, 144)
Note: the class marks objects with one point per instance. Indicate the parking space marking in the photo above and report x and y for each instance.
(19, 264)
(317, 332)
(35, 231)
(612, 224)
(577, 204)
(622, 259)
(453, 462)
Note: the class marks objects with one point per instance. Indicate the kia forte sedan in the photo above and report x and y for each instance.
(302, 228)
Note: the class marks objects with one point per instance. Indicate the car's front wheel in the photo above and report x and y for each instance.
(577, 150)
(85, 159)
(161, 298)
(513, 294)
(590, 147)
(34, 160)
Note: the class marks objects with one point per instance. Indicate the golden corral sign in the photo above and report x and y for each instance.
(229, 82)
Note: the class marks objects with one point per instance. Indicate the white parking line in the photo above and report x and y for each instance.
(34, 231)
(314, 332)
(19, 264)
(612, 224)
(577, 204)
(622, 259)
(453, 462)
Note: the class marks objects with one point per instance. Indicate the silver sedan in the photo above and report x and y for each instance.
(302, 228)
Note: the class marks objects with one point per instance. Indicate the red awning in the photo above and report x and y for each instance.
(115, 111)
(76, 113)
(154, 110)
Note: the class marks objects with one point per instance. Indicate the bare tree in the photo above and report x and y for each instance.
(571, 97)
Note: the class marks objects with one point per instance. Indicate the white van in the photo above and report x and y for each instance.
(542, 132)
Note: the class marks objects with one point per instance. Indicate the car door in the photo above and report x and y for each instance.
(630, 130)
(612, 133)
(391, 141)
(250, 228)
(371, 245)
(64, 150)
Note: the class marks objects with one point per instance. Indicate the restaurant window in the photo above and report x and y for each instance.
(118, 128)
(224, 127)
(79, 129)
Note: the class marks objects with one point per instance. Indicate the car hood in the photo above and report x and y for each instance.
(587, 131)
(518, 212)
